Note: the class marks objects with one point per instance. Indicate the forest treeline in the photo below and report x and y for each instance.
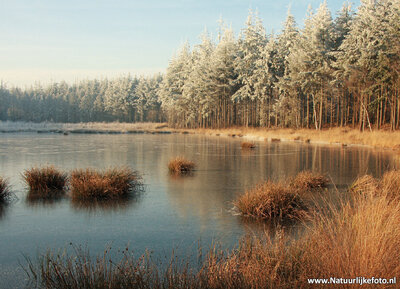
(331, 72)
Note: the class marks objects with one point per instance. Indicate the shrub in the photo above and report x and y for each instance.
(108, 184)
(180, 165)
(45, 181)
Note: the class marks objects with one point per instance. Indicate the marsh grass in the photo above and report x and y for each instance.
(388, 185)
(307, 180)
(271, 201)
(108, 184)
(46, 181)
(247, 145)
(180, 166)
(359, 237)
(5, 192)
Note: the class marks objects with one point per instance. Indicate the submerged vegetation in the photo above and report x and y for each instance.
(45, 181)
(108, 184)
(4, 190)
(180, 165)
(360, 237)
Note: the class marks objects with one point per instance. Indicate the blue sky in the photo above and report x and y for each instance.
(50, 40)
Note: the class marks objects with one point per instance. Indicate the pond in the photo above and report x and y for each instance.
(173, 212)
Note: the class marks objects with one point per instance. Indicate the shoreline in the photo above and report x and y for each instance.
(341, 136)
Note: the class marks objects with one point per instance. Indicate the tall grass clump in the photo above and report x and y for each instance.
(4, 190)
(388, 185)
(180, 165)
(108, 184)
(248, 145)
(45, 181)
(273, 201)
(361, 238)
(306, 180)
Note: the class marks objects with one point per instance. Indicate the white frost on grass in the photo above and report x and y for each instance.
(20, 126)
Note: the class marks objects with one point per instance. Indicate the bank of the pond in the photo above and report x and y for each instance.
(343, 136)
(338, 136)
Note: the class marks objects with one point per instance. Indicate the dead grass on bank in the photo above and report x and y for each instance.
(45, 181)
(344, 135)
(180, 166)
(4, 190)
(388, 185)
(108, 184)
(361, 237)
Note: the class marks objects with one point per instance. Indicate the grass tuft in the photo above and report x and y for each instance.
(4, 190)
(180, 165)
(248, 145)
(109, 184)
(309, 180)
(272, 201)
(46, 181)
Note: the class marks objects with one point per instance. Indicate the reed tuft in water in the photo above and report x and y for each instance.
(248, 145)
(108, 184)
(180, 165)
(272, 201)
(4, 190)
(45, 181)
(306, 180)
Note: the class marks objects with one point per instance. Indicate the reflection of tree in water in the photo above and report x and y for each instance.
(105, 205)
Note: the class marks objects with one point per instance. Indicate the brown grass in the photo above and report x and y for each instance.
(306, 180)
(4, 190)
(248, 145)
(388, 185)
(180, 165)
(108, 184)
(362, 238)
(272, 201)
(45, 181)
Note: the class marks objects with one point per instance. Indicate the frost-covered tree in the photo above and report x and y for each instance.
(250, 47)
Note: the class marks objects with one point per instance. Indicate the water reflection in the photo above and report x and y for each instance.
(36, 201)
(3, 210)
(105, 205)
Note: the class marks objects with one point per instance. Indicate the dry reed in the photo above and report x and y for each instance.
(108, 184)
(4, 190)
(306, 180)
(180, 165)
(272, 201)
(248, 145)
(45, 181)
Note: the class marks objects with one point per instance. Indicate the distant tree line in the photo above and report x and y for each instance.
(332, 72)
(128, 99)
